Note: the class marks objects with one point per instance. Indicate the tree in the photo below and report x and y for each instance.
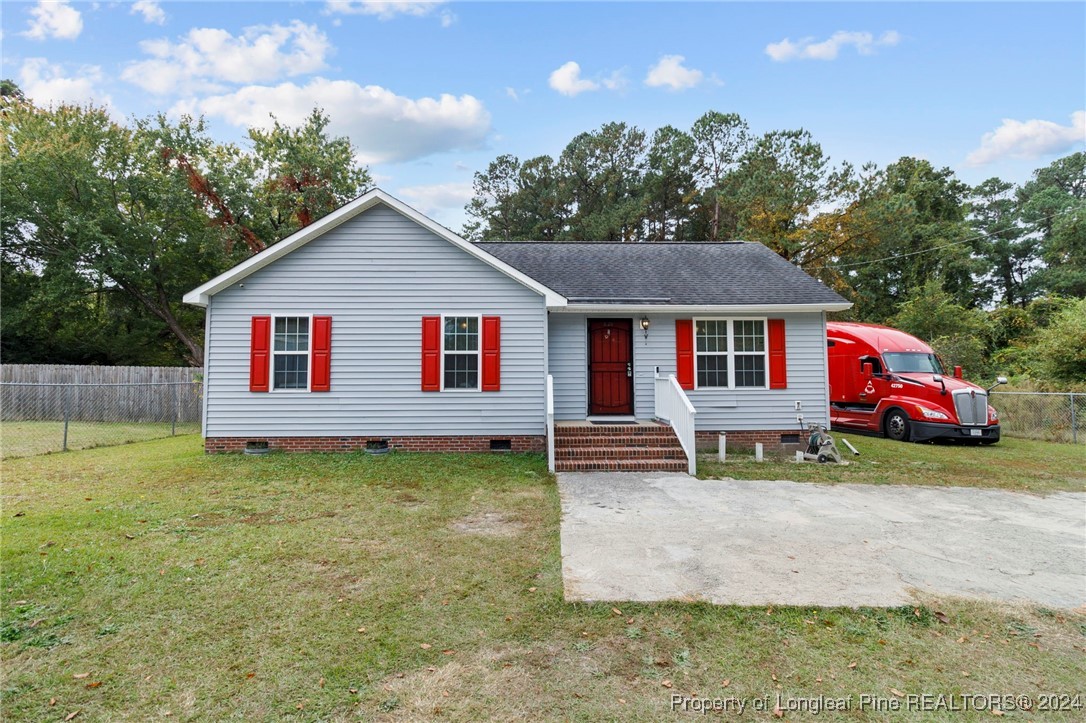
(140, 215)
(493, 204)
(669, 186)
(8, 89)
(1009, 253)
(1054, 207)
(720, 140)
(301, 174)
(91, 202)
(957, 334)
(923, 235)
(1061, 346)
(603, 171)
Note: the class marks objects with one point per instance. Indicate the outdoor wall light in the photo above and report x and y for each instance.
(645, 325)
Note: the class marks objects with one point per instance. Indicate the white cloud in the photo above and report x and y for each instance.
(567, 80)
(385, 127)
(204, 57)
(54, 19)
(615, 81)
(151, 11)
(512, 92)
(671, 73)
(1028, 139)
(388, 9)
(436, 197)
(808, 49)
(47, 84)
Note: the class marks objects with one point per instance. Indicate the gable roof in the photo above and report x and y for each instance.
(201, 294)
(733, 274)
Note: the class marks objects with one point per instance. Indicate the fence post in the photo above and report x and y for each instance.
(173, 427)
(1074, 422)
(67, 415)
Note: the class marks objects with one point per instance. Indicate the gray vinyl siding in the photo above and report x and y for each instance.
(717, 409)
(568, 349)
(377, 275)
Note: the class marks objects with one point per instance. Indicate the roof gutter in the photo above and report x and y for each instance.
(575, 308)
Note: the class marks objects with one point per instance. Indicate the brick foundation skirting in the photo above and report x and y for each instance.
(461, 443)
(746, 439)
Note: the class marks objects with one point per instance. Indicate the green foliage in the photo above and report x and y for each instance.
(958, 334)
(1061, 346)
(106, 226)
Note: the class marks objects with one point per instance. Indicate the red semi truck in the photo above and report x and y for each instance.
(884, 381)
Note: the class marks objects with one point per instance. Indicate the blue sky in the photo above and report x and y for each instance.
(432, 91)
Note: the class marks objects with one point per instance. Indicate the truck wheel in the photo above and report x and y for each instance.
(896, 425)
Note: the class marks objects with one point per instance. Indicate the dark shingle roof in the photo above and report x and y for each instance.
(736, 273)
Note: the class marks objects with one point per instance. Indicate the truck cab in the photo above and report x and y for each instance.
(884, 381)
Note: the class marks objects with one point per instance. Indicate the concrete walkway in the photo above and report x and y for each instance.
(662, 536)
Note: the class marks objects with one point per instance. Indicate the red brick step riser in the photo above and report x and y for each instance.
(620, 454)
(654, 465)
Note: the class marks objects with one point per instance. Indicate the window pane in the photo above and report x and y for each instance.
(749, 336)
(713, 371)
(749, 370)
(292, 333)
(712, 335)
(461, 333)
(291, 371)
(461, 371)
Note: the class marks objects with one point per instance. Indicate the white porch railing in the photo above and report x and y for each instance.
(674, 407)
(550, 423)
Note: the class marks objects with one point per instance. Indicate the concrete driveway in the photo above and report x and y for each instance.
(663, 536)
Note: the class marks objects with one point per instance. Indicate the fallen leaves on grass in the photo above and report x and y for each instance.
(72, 715)
(425, 646)
(897, 692)
(81, 676)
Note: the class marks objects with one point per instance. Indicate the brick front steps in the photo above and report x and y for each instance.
(617, 448)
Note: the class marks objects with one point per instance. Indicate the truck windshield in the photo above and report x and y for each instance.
(915, 362)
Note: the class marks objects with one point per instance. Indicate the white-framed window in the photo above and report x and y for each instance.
(730, 354)
(460, 352)
(290, 353)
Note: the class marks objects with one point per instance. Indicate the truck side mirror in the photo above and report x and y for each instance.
(938, 379)
(957, 372)
(869, 370)
(999, 380)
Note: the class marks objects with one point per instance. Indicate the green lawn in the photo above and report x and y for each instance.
(25, 439)
(1013, 464)
(151, 580)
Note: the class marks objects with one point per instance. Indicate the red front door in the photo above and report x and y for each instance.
(610, 366)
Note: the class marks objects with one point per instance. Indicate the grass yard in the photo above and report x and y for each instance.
(150, 580)
(26, 439)
(1013, 464)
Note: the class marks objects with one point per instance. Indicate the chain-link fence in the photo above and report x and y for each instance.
(1052, 416)
(38, 418)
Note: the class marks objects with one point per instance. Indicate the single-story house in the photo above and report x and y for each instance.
(378, 326)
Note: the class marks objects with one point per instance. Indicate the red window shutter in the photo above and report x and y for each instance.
(259, 353)
(492, 353)
(684, 353)
(321, 355)
(778, 363)
(431, 353)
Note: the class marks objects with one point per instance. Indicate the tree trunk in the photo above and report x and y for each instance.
(162, 311)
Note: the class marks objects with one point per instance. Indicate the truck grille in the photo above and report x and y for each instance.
(971, 406)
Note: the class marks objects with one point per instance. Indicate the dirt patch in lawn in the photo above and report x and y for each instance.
(488, 524)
